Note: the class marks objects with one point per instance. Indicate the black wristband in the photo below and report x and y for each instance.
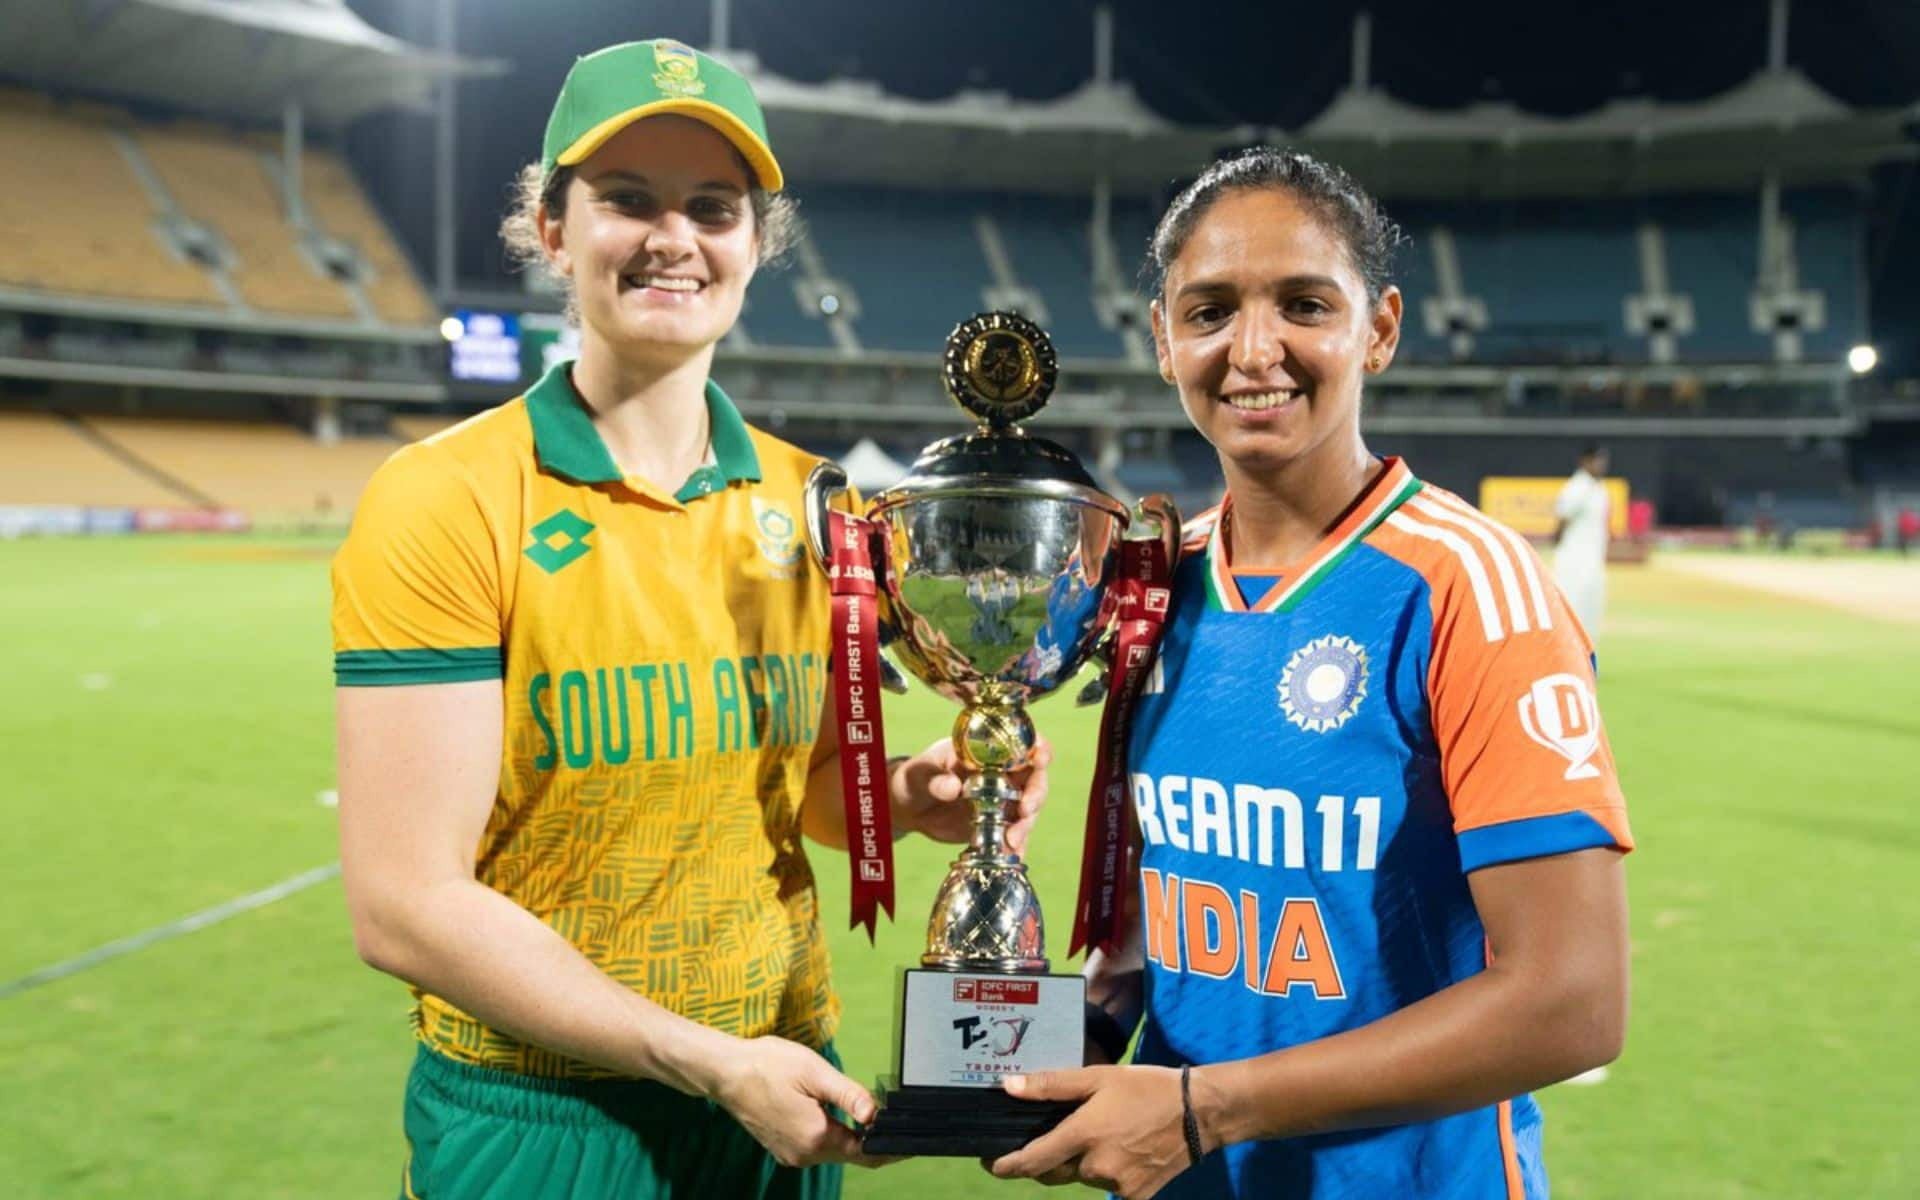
(1105, 1031)
(1189, 1125)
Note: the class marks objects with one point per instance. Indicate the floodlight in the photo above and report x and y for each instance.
(453, 329)
(1862, 358)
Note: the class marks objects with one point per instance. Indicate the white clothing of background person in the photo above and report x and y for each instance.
(1580, 554)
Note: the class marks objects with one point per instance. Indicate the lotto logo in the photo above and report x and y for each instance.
(859, 733)
(872, 871)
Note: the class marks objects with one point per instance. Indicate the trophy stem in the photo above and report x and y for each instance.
(992, 796)
(986, 917)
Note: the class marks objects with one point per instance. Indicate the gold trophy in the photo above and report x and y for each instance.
(993, 590)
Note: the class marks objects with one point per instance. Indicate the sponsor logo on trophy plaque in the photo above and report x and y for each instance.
(992, 572)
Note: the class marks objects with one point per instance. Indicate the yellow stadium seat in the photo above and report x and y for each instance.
(337, 206)
(74, 219)
(45, 460)
(219, 181)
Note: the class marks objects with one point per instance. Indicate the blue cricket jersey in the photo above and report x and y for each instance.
(1318, 763)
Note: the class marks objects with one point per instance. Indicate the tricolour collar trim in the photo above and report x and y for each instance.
(567, 444)
(1394, 488)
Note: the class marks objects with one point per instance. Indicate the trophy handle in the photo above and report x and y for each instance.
(824, 483)
(1154, 516)
(1159, 511)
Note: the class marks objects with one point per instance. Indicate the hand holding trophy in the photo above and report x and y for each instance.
(993, 571)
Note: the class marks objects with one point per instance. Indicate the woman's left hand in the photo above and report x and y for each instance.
(1128, 1137)
(926, 790)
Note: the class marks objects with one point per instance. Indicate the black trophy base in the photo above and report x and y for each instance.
(957, 1122)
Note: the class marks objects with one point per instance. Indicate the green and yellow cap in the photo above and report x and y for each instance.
(610, 89)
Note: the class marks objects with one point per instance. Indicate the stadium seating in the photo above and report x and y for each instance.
(413, 429)
(267, 471)
(912, 258)
(1553, 283)
(45, 459)
(773, 316)
(221, 182)
(73, 217)
(1553, 277)
(1046, 241)
(337, 205)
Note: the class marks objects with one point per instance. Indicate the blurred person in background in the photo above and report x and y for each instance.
(582, 664)
(1580, 530)
(1381, 893)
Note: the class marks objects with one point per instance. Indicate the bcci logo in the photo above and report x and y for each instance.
(1558, 712)
(777, 535)
(1324, 683)
(677, 69)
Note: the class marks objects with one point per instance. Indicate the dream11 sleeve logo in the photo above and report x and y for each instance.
(1559, 713)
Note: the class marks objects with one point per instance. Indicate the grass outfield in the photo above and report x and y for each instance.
(165, 728)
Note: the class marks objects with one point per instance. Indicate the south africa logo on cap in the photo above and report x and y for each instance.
(1000, 367)
(677, 69)
(1324, 683)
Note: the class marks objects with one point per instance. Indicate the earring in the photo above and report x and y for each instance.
(1373, 364)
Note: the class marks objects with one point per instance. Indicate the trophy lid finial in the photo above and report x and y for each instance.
(1000, 367)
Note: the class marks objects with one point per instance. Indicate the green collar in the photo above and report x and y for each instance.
(567, 444)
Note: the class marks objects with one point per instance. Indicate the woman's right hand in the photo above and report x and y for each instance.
(778, 1090)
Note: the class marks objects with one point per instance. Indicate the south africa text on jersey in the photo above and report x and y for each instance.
(588, 715)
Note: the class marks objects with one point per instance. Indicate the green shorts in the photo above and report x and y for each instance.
(474, 1131)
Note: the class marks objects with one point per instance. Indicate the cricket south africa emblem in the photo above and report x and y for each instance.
(677, 70)
(1324, 683)
(777, 535)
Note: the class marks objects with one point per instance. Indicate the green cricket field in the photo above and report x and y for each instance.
(166, 734)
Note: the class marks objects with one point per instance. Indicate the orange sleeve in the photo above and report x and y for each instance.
(1511, 692)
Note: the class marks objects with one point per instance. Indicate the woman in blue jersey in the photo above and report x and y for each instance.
(1381, 895)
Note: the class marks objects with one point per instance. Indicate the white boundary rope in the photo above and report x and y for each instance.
(171, 930)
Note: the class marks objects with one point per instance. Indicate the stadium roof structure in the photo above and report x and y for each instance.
(245, 59)
(1777, 122)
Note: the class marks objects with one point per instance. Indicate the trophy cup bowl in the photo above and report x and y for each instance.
(994, 592)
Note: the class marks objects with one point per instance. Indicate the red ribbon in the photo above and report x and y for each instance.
(856, 693)
(1144, 590)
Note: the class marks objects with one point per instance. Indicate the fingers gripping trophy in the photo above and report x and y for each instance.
(993, 572)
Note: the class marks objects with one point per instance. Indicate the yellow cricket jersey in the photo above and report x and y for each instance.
(664, 662)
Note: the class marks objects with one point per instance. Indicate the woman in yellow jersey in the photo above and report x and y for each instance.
(582, 675)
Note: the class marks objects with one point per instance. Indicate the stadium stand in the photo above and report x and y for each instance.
(912, 257)
(412, 429)
(1712, 257)
(220, 182)
(1553, 283)
(73, 216)
(1047, 242)
(269, 472)
(1554, 279)
(773, 315)
(342, 210)
(47, 459)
